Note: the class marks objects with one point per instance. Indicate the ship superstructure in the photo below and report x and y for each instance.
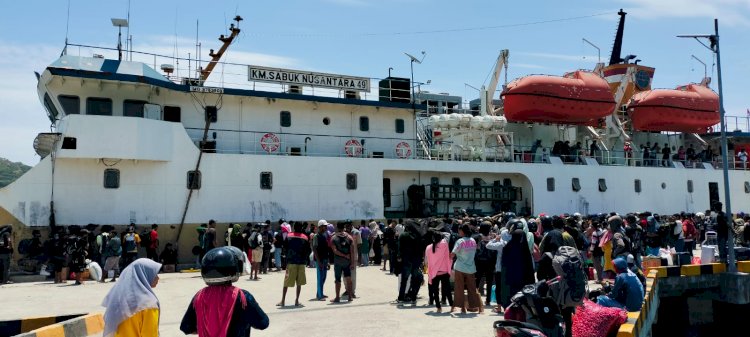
(136, 144)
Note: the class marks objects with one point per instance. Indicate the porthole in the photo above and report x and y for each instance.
(663, 185)
(326, 121)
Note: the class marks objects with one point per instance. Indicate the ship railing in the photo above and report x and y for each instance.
(734, 124)
(229, 74)
(307, 144)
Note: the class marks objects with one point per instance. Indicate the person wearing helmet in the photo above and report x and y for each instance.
(221, 267)
(628, 290)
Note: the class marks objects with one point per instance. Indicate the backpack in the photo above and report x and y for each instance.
(570, 290)
(485, 256)
(130, 245)
(146, 238)
(253, 241)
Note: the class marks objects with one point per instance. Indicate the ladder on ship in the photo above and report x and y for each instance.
(424, 138)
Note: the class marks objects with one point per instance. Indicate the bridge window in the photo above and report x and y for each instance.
(71, 105)
(637, 186)
(399, 125)
(286, 119)
(602, 185)
(132, 108)
(111, 178)
(172, 114)
(50, 107)
(550, 184)
(99, 106)
(364, 123)
(576, 184)
(690, 186)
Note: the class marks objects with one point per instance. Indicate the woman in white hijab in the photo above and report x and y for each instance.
(132, 309)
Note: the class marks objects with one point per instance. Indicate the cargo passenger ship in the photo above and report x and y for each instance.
(133, 143)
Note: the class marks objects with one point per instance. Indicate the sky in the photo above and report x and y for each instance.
(461, 40)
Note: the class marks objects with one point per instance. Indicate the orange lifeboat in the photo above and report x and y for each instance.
(580, 97)
(690, 108)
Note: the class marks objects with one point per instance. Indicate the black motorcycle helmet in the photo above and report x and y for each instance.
(546, 222)
(240, 258)
(219, 266)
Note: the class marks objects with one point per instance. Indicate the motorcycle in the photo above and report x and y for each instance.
(532, 312)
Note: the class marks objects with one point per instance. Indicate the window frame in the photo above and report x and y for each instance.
(90, 100)
(61, 98)
(194, 185)
(133, 102)
(172, 108)
(400, 125)
(263, 185)
(108, 173)
(351, 181)
(285, 117)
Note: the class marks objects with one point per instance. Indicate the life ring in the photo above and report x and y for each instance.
(270, 142)
(353, 148)
(403, 150)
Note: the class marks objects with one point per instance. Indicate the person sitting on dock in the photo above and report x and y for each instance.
(627, 292)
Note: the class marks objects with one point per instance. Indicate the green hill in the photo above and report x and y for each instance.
(10, 171)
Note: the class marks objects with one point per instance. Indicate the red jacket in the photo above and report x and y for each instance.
(689, 229)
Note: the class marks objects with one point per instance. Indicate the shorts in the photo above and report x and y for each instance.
(295, 273)
(338, 270)
(257, 254)
(112, 263)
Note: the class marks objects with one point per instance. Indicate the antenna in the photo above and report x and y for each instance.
(119, 23)
(130, 37)
(415, 59)
(705, 68)
(598, 51)
(67, 28)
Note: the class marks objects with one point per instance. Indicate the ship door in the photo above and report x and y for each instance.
(386, 192)
(713, 196)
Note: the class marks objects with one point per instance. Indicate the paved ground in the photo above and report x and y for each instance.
(369, 315)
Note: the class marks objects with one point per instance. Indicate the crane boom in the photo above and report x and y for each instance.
(215, 57)
(488, 92)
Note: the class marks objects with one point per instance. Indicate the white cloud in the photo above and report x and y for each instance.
(730, 12)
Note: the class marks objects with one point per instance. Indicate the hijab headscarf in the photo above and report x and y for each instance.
(131, 294)
(236, 231)
(529, 236)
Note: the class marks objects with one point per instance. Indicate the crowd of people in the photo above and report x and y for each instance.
(464, 261)
(73, 250)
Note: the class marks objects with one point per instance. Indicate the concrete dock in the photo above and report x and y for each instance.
(369, 315)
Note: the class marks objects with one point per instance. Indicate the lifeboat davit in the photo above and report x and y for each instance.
(580, 97)
(690, 108)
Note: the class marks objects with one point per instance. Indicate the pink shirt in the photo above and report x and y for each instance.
(438, 262)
